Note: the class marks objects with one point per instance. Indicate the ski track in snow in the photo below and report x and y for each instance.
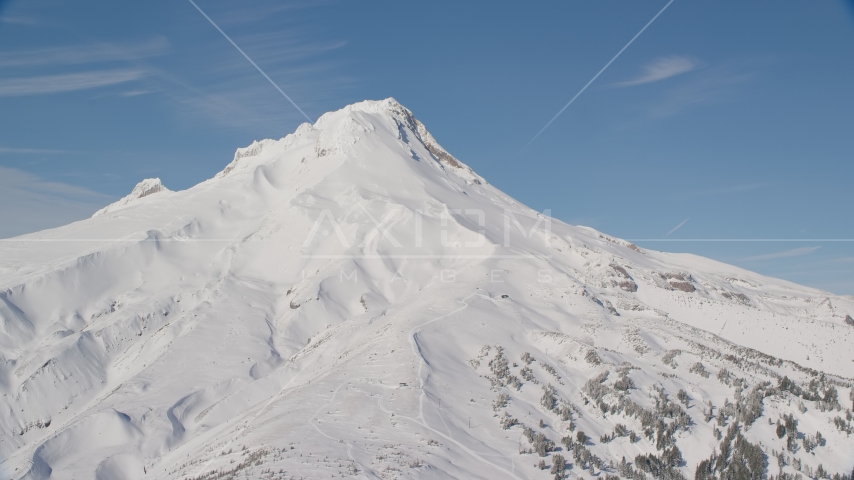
(422, 361)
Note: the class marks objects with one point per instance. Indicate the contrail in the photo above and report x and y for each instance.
(677, 227)
(597, 75)
(253, 63)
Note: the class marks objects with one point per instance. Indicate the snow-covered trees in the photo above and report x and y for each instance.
(551, 370)
(738, 458)
(500, 401)
(527, 374)
(669, 358)
(749, 407)
(699, 369)
(791, 431)
(624, 383)
(507, 421)
(819, 390)
(558, 464)
(527, 358)
(541, 444)
(548, 400)
(663, 466)
(499, 366)
(724, 376)
(810, 442)
(594, 388)
(592, 357)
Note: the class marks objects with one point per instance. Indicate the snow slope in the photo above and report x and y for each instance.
(145, 188)
(352, 300)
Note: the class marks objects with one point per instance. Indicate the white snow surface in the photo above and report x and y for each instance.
(332, 304)
(143, 189)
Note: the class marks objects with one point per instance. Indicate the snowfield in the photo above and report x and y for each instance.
(353, 301)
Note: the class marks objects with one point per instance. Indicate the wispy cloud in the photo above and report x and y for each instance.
(136, 93)
(677, 227)
(795, 252)
(87, 53)
(744, 187)
(12, 87)
(227, 90)
(260, 11)
(34, 151)
(712, 87)
(33, 203)
(662, 68)
(589, 82)
(18, 21)
(262, 72)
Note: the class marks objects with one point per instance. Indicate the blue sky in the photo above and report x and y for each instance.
(735, 116)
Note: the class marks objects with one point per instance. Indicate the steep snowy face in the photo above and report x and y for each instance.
(353, 300)
(147, 187)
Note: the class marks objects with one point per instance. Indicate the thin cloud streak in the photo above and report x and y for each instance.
(795, 252)
(246, 107)
(80, 54)
(13, 87)
(252, 62)
(34, 151)
(677, 227)
(662, 69)
(13, 178)
(136, 93)
(36, 203)
(19, 21)
(710, 88)
(597, 74)
(747, 187)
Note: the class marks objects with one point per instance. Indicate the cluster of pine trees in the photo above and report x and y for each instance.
(737, 458)
(539, 443)
(819, 390)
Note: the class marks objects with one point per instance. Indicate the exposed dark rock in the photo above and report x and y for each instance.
(621, 271)
(628, 284)
(684, 286)
(737, 297)
(685, 277)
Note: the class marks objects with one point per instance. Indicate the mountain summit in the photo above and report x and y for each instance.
(352, 300)
(147, 187)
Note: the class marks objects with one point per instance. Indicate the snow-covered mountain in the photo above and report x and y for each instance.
(143, 189)
(352, 300)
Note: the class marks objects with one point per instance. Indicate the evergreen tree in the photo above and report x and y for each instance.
(558, 464)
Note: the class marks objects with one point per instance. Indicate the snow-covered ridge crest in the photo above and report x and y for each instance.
(404, 118)
(337, 131)
(145, 188)
(252, 150)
